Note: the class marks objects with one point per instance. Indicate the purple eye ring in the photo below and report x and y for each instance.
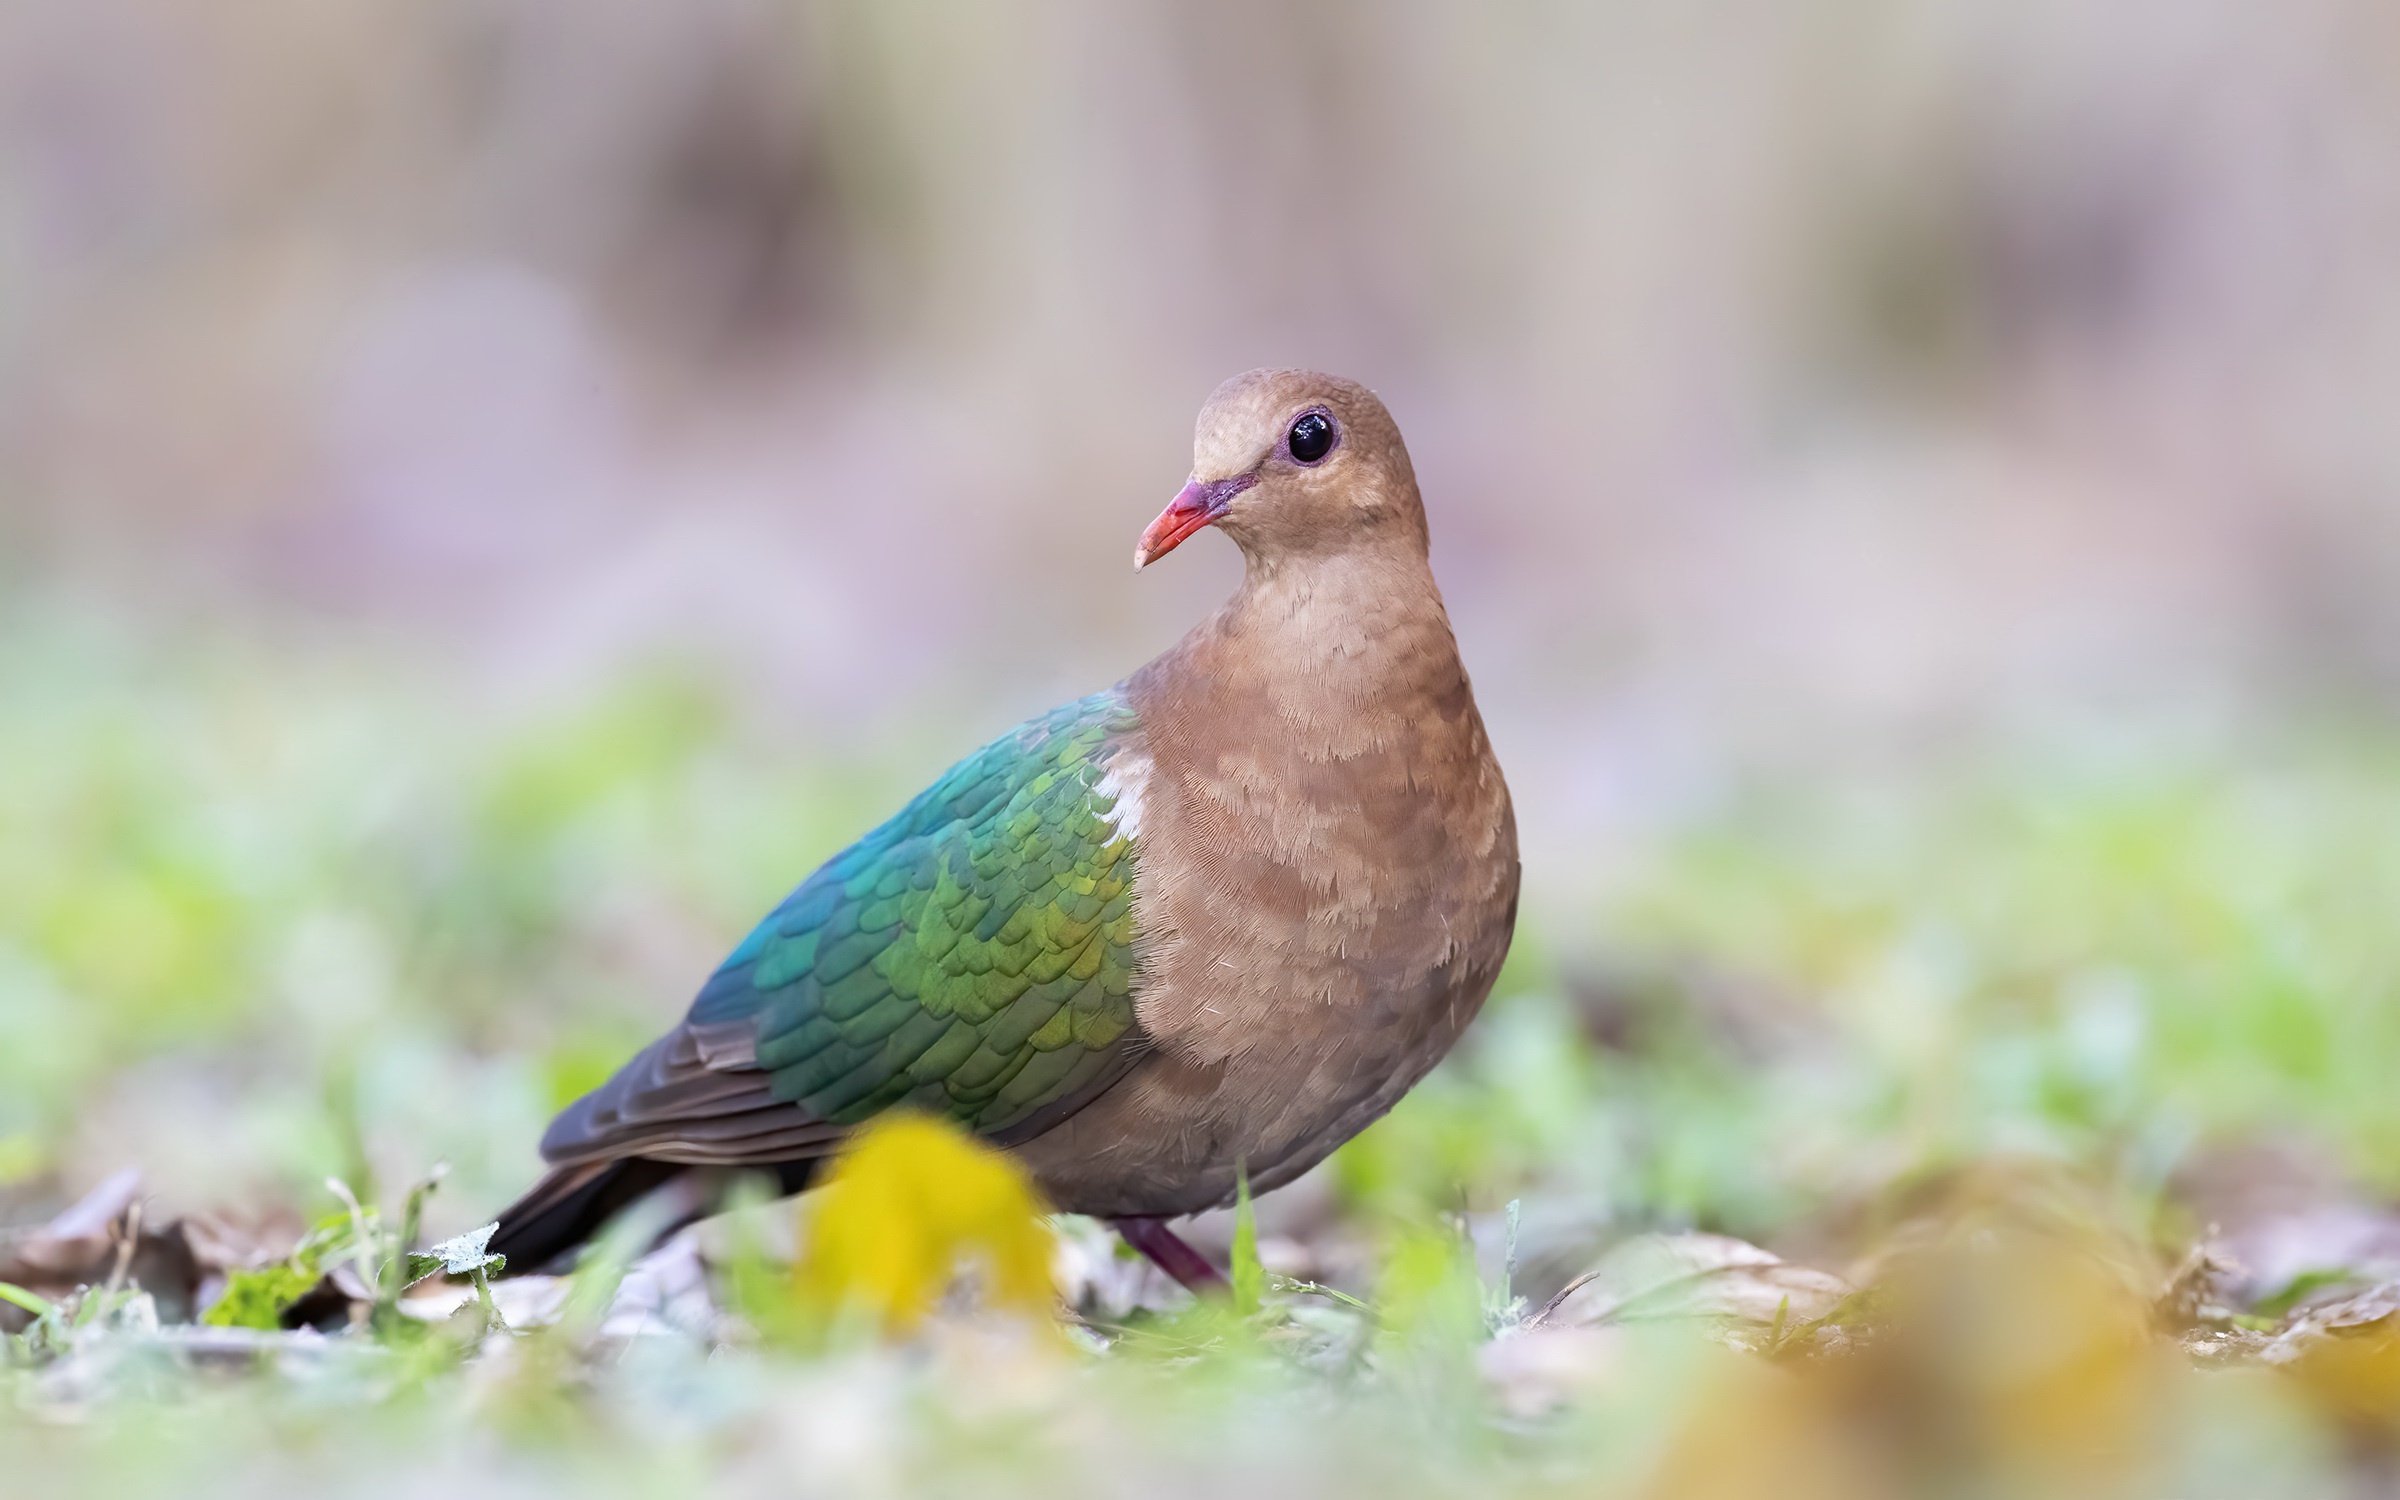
(1311, 436)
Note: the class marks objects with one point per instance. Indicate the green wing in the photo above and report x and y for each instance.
(972, 957)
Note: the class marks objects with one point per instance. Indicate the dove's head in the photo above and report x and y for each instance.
(1290, 463)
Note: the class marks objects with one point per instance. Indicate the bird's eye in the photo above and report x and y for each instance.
(1311, 438)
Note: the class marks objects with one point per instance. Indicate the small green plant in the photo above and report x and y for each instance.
(1503, 1309)
(1249, 1273)
(18, 1348)
(257, 1297)
(465, 1255)
(58, 1326)
(353, 1238)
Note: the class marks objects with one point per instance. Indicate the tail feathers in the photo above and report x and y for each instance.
(572, 1204)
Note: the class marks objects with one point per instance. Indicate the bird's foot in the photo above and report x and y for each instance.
(1170, 1254)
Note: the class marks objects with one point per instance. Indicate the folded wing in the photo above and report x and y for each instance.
(973, 957)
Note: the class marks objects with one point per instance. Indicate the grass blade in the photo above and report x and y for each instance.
(1249, 1273)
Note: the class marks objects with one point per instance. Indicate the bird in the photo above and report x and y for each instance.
(1196, 929)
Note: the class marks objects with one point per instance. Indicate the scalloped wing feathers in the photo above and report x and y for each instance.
(973, 957)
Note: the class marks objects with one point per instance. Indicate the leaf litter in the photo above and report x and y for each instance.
(2005, 1328)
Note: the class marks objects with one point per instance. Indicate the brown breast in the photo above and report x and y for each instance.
(1328, 880)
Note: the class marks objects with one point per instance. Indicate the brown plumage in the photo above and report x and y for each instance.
(1325, 885)
(1335, 850)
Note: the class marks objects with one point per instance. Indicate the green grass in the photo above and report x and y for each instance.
(267, 918)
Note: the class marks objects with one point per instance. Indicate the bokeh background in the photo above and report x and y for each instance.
(492, 491)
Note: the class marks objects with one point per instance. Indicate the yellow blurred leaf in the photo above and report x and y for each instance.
(910, 1204)
(2013, 1335)
(1759, 1431)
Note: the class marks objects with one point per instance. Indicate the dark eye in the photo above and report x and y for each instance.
(1311, 438)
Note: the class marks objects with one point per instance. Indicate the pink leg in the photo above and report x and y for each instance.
(1153, 1238)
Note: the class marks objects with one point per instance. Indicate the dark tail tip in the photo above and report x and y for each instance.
(567, 1208)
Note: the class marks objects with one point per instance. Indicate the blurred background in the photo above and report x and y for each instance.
(492, 491)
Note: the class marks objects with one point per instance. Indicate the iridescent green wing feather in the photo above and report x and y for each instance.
(972, 957)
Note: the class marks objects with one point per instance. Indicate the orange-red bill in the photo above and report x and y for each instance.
(1196, 505)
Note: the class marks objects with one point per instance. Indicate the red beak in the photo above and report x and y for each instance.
(1196, 505)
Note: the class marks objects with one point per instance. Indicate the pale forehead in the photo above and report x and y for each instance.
(1245, 416)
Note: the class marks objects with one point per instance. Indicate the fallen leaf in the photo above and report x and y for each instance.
(1695, 1276)
(909, 1204)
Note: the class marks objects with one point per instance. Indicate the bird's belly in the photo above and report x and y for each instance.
(1173, 1135)
(1326, 936)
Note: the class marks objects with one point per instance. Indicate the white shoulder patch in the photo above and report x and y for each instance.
(1125, 779)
